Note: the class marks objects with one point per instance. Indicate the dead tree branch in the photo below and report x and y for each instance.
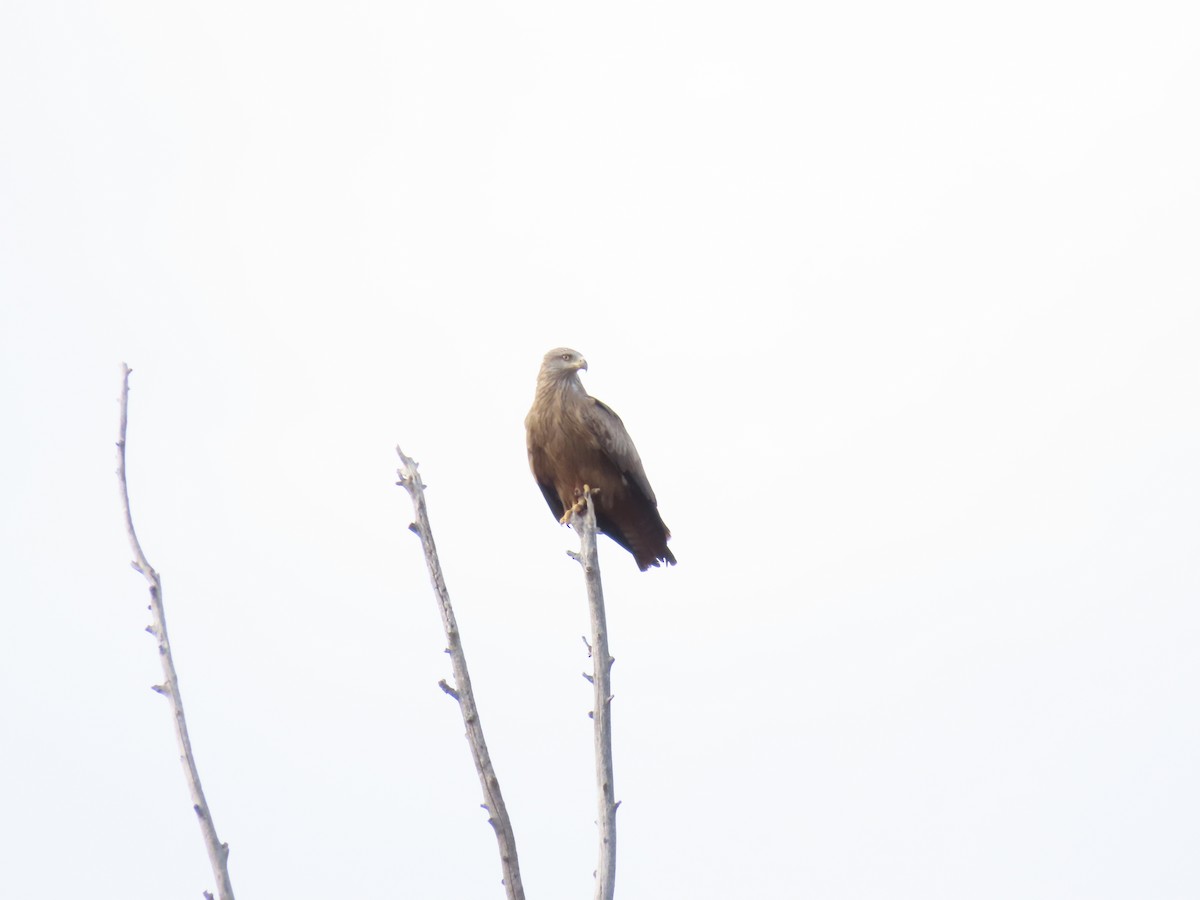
(493, 801)
(218, 853)
(601, 678)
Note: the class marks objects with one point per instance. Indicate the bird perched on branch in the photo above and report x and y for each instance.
(574, 441)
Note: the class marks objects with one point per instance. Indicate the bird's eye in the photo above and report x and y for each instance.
(566, 357)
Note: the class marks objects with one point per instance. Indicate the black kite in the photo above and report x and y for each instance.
(575, 440)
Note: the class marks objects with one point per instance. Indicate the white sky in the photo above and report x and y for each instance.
(898, 301)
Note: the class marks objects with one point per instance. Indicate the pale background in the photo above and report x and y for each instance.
(899, 302)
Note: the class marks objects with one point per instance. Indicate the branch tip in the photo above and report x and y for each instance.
(217, 852)
(461, 692)
(584, 523)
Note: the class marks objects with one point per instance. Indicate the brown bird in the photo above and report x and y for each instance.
(575, 440)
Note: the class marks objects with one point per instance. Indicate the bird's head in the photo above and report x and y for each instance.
(563, 362)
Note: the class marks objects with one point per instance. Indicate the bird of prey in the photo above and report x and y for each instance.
(575, 440)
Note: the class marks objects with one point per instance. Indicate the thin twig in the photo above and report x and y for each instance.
(493, 801)
(601, 680)
(218, 853)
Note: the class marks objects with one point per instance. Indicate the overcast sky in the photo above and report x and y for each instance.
(899, 302)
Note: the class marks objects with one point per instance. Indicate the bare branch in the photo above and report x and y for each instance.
(218, 853)
(493, 801)
(606, 872)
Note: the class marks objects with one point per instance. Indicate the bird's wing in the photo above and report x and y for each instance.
(610, 431)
